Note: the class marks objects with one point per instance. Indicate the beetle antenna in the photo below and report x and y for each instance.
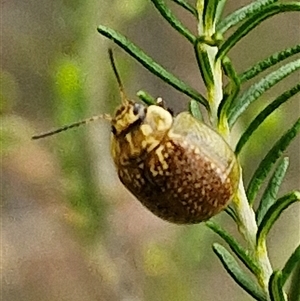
(115, 70)
(72, 125)
(89, 120)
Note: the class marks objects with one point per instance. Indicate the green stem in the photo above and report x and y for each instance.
(247, 226)
(261, 254)
(246, 217)
(211, 69)
(214, 90)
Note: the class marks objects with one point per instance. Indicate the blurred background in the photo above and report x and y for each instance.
(70, 231)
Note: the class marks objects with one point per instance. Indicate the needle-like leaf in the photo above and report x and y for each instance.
(150, 64)
(239, 276)
(266, 164)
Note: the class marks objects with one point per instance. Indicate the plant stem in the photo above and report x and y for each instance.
(246, 220)
(215, 91)
(247, 226)
(215, 94)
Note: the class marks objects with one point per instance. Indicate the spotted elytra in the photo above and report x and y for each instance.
(179, 168)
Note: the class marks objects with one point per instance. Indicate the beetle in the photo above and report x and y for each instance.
(176, 166)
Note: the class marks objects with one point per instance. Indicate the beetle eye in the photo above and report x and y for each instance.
(139, 110)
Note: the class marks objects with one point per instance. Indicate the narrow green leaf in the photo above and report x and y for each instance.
(269, 160)
(231, 90)
(270, 193)
(275, 287)
(209, 14)
(204, 64)
(150, 64)
(273, 214)
(238, 250)
(256, 90)
(291, 265)
(174, 22)
(195, 110)
(261, 117)
(241, 14)
(238, 275)
(294, 290)
(261, 15)
(187, 6)
(220, 10)
(230, 211)
(269, 62)
(146, 97)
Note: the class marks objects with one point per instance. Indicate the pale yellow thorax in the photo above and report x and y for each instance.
(137, 134)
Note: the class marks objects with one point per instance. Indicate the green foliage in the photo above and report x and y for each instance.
(225, 105)
(273, 213)
(150, 64)
(270, 193)
(275, 287)
(263, 115)
(187, 6)
(174, 22)
(242, 14)
(235, 271)
(204, 63)
(194, 109)
(242, 102)
(236, 247)
(146, 97)
(272, 156)
(269, 62)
